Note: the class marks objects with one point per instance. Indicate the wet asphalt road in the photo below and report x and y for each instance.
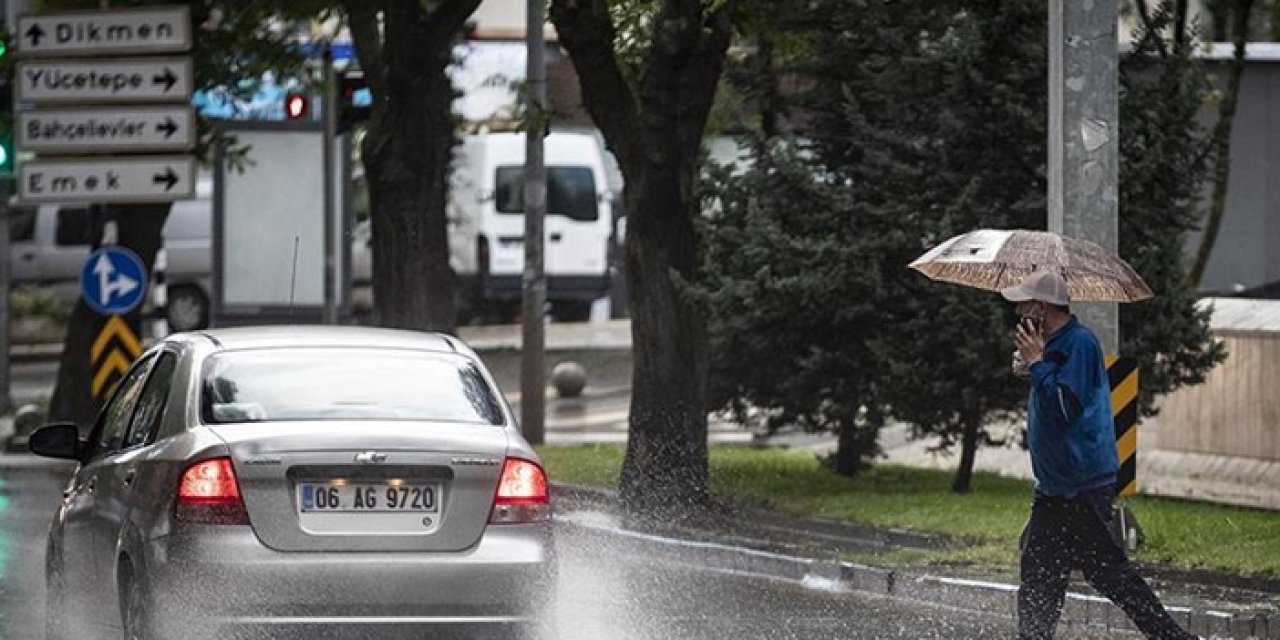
(606, 590)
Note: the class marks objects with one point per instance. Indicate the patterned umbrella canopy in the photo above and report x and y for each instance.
(994, 259)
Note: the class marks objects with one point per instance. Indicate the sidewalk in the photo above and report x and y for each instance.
(810, 550)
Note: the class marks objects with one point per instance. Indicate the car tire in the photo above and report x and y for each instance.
(188, 309)
(55, 610)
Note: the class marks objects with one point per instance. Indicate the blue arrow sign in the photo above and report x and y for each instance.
(113, 280)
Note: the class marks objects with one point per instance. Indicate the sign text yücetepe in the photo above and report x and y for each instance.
(57, 79)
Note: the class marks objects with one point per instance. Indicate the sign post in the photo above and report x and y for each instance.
(94, 83)
(113, 282)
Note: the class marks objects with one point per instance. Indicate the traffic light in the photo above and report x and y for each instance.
(355, 100)
(296, 106)
(6, 153)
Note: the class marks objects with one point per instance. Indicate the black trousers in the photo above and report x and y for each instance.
(1065, 534)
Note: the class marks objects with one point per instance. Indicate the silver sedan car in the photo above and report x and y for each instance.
(319, 480)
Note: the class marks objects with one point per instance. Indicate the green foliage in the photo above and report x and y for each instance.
(1162, 172)
(791, 281)
(933, 131)
(633, 26)
(928, 120)
(38, 302)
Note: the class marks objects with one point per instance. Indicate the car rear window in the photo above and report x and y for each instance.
(285, 385)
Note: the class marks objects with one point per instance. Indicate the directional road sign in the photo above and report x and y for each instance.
(157, 30)
(107, 129)
(112, 80)
(113, 280)
(108, 179)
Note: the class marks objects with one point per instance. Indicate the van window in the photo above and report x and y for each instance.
(571, 191)
(22, 224)
(73, 228)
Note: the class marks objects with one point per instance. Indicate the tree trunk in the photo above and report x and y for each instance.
(854, 444)
(666, 461)
(1222, 142)
(407, 151)
(963, 482)
(139, 228)
(406, 159)
(654, 128)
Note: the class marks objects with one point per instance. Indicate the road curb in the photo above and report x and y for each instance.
(1080, 610)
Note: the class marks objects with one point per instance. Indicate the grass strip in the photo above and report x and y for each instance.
(1179, 533)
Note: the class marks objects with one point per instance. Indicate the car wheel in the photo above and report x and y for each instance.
(55, 610)
(188, 309)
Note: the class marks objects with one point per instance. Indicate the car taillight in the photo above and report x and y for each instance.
(523, 494)
(210, 494)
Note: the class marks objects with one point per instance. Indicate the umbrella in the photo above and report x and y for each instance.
(994, 259)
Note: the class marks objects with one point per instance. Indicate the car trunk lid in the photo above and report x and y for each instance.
(367, 486)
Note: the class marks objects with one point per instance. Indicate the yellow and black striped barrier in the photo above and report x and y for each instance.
(1123, 374)
(113, 351)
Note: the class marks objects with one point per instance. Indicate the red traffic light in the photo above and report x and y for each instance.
(296, 106)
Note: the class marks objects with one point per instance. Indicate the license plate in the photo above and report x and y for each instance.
(314, 497)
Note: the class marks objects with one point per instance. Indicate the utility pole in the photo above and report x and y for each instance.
(533, 386)
(6, 400)
(328, 113)
(1084, 137)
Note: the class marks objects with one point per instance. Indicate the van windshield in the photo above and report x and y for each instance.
(571, 192)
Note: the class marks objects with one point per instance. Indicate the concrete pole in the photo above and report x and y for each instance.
(6, 400)
(1084, 137)
(533, 385)
(328, 113)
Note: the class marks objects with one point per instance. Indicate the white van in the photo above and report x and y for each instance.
(49, 244)
(486, 218)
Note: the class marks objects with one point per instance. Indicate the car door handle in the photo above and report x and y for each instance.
(128, 477)
(91, 485)
(28, 257)
(555, 237)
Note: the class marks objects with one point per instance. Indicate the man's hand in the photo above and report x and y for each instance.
(1030, 343)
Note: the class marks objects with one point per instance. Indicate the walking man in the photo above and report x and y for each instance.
(1073, 456)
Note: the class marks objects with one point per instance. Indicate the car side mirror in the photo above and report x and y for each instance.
(57, 440)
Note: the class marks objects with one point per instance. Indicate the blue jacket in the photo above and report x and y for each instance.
(1069, 424)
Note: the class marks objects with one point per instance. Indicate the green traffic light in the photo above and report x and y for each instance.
(4, 47)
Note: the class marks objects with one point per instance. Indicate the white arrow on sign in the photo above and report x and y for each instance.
(156, 30)
(108, 80)
(109, 287)
(108, 179)
(107, 129)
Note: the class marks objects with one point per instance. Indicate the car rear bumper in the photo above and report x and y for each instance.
(222, 577)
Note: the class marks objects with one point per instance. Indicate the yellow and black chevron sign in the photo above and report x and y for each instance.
(115, 348)
(1123, 373)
